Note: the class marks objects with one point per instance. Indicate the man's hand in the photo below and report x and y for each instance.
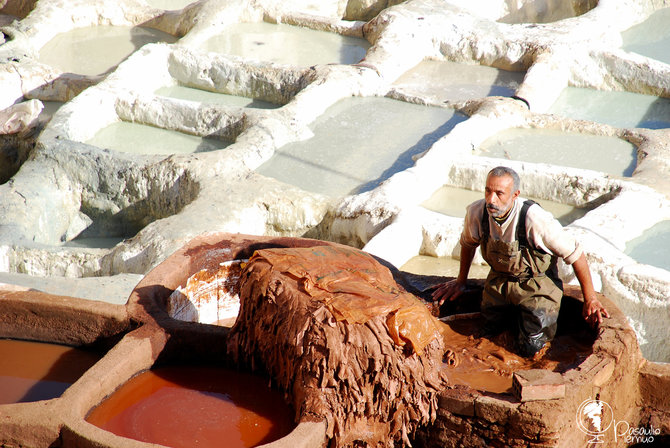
(594, 311)
(450, 290)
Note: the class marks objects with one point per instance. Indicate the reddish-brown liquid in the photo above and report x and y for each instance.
(196, 407)
(488, 364)
(33, 371)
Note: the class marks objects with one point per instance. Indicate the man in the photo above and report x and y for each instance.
(521, 242)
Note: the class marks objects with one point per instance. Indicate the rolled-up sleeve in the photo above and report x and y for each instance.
(545, 232)
(472, 227)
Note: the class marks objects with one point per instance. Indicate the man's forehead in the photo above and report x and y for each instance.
(503, 178)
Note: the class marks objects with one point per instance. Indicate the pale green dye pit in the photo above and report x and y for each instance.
(95, 50)
(452, 201)
(287, 44)
(205, 96)
(618, 109)
(650, 38)
(142, 139)
(609, 155)
(652, 247)
(450, 81)
(358, 143)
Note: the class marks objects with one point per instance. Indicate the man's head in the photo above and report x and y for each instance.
(502, 188)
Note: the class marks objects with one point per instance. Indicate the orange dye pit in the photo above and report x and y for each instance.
(33, 371)
(196, 407)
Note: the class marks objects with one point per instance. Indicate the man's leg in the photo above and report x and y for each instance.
(538, 306)
(495, 308)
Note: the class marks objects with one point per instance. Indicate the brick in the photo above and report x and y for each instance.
(537, 384)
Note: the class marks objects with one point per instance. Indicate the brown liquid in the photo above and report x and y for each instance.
(488, 364)
(33, 371)
(196, 407)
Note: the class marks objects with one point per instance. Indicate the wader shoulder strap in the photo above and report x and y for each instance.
(520, 228)
(521, 225)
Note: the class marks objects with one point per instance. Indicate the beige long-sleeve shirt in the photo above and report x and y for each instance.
(543, 231)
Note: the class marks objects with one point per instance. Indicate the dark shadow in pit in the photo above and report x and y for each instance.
(15, 149)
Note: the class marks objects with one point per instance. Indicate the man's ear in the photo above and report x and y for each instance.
(516, 194)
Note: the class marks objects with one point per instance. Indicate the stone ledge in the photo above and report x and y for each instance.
(458, 401)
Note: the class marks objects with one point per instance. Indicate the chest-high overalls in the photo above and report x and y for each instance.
(523, 283)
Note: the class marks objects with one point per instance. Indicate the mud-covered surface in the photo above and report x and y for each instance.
(368, 388)
(488, 363)
(323, 322)
(366, 385)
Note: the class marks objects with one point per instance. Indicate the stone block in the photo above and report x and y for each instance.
(537, 384)
(457, 402)
(495, 410)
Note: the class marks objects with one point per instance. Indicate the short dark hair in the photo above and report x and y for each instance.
(506, 171)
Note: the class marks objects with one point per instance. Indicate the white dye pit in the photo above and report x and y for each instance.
(358, 143)
(142, 139)
(450, 81)
(452, 201)
(50, 108)
(650, 38)
(93, 242)
(610, 155)
(287, 44)
(169, 4)
(443, 266)
(96, 50)
(652, 247)
(205, 96)
(540, 11)
(618, 109)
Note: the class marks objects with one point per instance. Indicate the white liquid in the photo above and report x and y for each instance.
(443, 266)
(95, 50)
(141, 139)
(50, 108)
(452, 201)
(607, 154)
(93, 243)
(447, 80)
(204, 96)
(650, 38)
(539, 11)
(169, 4)
(652, 247)
(358, 143)
(286, 44)
(619, 109)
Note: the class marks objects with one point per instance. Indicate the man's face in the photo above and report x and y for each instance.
(499, 195)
